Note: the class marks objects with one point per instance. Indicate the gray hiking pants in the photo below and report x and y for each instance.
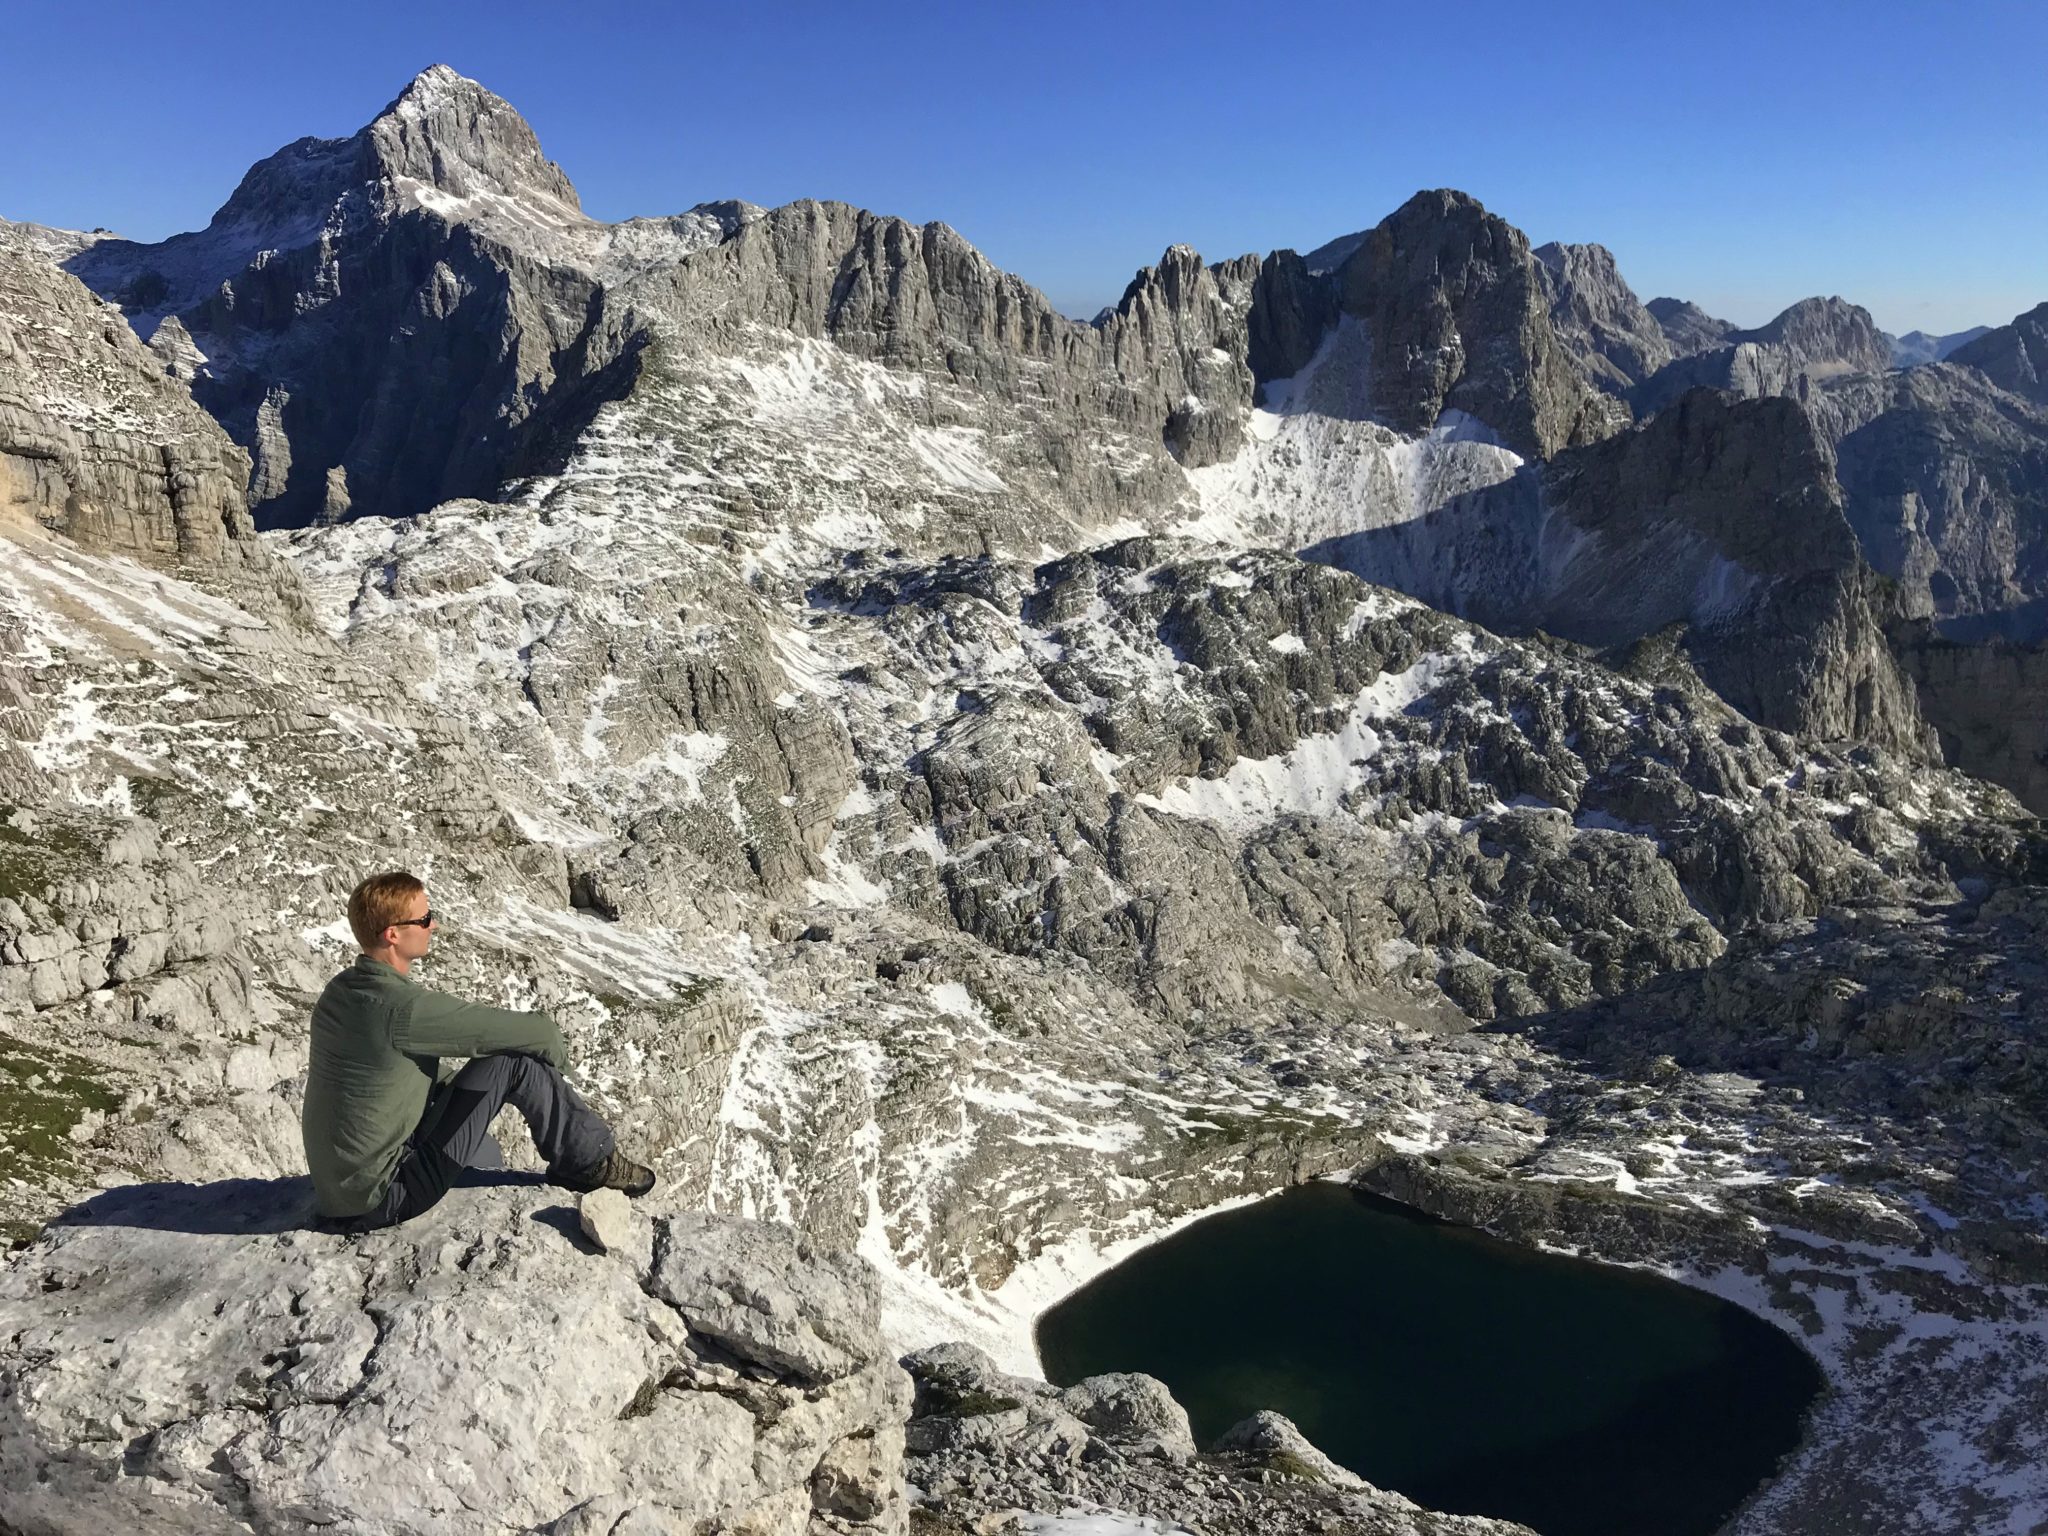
(454, 1132)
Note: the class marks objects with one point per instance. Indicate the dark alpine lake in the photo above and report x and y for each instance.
(1465, 1372)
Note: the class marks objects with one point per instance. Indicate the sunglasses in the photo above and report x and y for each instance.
(415, 922)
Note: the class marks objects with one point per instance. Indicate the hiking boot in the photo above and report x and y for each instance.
(617, 1171)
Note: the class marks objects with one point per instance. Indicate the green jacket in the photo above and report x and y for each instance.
(378, 1038)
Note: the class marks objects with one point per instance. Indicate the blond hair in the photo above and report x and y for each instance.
(378, 902)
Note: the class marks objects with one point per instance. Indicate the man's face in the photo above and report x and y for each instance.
(411, 939)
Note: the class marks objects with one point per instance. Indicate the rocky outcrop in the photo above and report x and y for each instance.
(1945, 480)
(186, 1358)
(99, 444)
(1167, 362)
(86, 901)
(1725, 517)
(1291, 309)
(1598, 318)
(984, 1443)
(1813, 341)
(1720, 517)
(1825, 337)
(422, 311)
(1988, 702)
(1458, 319)
(95, 441)
(1687, 327)
(1892, 1015)
(2014, 357)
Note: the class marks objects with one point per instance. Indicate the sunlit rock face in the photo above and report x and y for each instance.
(211, 1362)
(2014, 357)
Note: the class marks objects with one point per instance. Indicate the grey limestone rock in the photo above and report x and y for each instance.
(768, 1297)
(1825, 336)
(1687, 327)
(1798, 351)
(1988, 701)
(1168, 361)
(413, 309)
(189, 1358)
(1786, 621)
(1598, 318)
(608, 1220)
(986, 1447)
(1291, 308)
(1945, 478)
(1273, 1437)
(1129, 1406)
(99, 443)
(1457, 316)
(1919, 347)
(1720, 516)
(2014, 356)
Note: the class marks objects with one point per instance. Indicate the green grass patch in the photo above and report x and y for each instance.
(1289, 1465)
(44, 1093)
(32, 862)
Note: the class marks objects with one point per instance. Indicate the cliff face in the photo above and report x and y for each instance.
(1725, 517)
(1598, 318)
(1988, 700)
(707, 1370)
(95, 441)
(2014, 357)
(1167, 364)
(1946, 481)
(1717, 522)
(1455, 308)
(101, 443)
(1687, 327)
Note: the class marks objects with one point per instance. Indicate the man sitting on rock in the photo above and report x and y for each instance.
(387, 1130)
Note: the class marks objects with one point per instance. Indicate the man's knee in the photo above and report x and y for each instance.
(502, 1072)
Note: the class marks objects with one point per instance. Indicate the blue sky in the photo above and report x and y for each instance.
(1740, 155)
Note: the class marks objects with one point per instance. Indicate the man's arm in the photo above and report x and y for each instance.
(441, 1025)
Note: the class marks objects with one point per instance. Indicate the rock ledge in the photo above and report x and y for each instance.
(179, 1357)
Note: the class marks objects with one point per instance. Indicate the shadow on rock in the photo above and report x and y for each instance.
(565, 1220)
(238, 1207)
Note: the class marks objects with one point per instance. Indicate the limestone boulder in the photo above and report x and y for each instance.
(197, 1357)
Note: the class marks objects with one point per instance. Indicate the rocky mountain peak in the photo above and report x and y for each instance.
(1687, 327)
(1917, 347)
(1827, 333)
(1587, 259)
(1598, 317)
(1177, 278)
(450, 133)
(2015, 356)
(444, 137)
(1809, 344)
(1459, 319)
